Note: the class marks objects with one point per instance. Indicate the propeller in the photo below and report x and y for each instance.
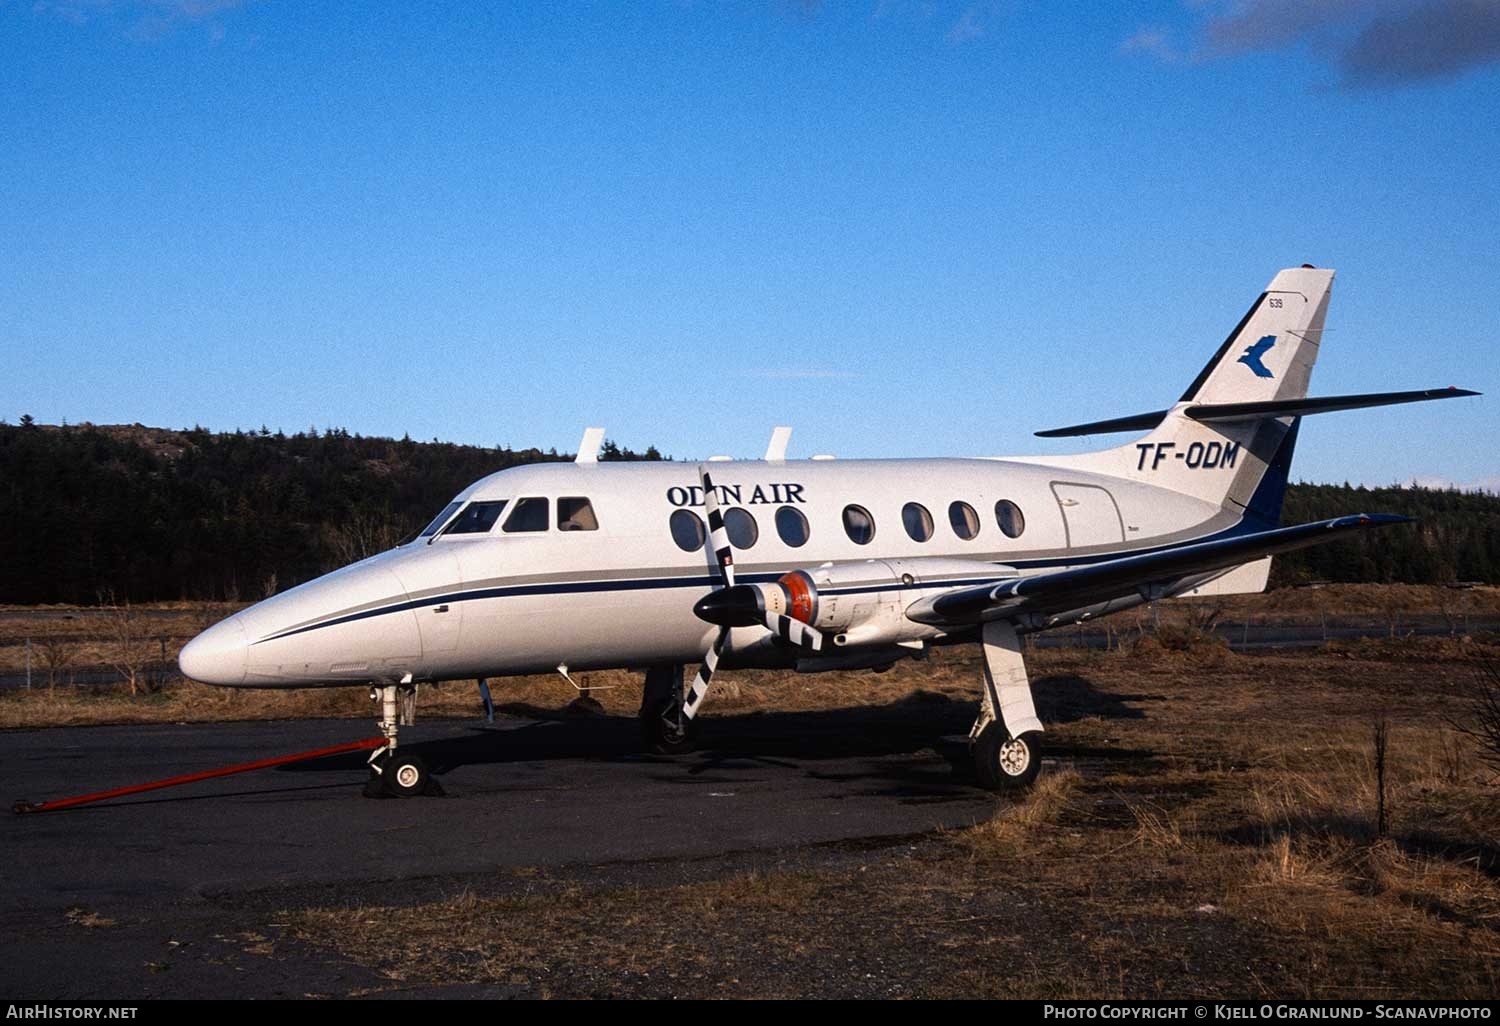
(737, 605)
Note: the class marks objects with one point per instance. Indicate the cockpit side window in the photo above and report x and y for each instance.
(576, 514)
(528, 515)
(439, 520)
(477, 518)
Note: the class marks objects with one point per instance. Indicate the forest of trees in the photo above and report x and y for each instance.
(147, 514)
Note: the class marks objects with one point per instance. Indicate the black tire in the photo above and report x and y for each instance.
(1006, 764)
(405, 774)
(664, 729)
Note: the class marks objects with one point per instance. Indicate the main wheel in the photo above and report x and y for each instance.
(664, 729)
(405, 774)
(1005, 763)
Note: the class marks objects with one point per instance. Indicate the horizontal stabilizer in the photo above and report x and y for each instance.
(1223, 413)
(1082, 586)
(1136, 422)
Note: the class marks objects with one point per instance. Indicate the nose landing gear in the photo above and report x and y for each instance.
(392, 773)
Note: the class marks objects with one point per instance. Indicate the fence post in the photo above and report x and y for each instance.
(28, 664)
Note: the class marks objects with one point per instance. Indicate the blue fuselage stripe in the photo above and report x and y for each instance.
(708, 581)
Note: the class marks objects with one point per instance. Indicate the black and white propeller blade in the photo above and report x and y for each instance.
(736, 605)
(718, 537)
(718, 543)
(705, 675)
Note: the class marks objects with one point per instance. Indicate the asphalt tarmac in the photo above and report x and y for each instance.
(171, 893)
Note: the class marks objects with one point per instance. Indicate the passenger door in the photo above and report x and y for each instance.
(1090, 513)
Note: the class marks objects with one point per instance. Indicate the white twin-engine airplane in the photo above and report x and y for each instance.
(817, 564)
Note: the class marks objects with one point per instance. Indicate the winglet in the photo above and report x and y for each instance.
(589, 446)
(776, 450)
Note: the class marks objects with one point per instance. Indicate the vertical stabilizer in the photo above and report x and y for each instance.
(1269, 355)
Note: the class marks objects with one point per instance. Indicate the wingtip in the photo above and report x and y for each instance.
(1382, 519)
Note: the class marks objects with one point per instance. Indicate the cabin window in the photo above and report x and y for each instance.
(576, 514)
(439, 520)
(792, 526)
(964, 520)
(859, 525)
(477, 518)
(529, 515)
(917, 521)
(1008, 516)
(741, 527)
(687, 530)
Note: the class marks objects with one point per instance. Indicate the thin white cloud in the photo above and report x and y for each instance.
(144, 19)
(802, 375)
(1152, 42)
(967, 27)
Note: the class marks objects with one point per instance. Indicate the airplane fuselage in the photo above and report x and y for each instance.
(504, 602)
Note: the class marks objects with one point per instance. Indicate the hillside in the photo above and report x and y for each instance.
(152, 514)
(157, 515)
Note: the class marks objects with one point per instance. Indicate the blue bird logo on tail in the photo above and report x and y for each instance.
(1253, 354)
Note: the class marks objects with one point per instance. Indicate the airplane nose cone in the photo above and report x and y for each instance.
(217, 656)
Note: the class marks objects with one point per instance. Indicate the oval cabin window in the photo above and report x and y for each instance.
(741, 527)
(917, 521)
(1008, 516)
(964, 520)
(859, 525)
(791, 525)
(687, 530)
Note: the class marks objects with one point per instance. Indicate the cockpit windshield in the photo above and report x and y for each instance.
(439, 520)
(477, 518)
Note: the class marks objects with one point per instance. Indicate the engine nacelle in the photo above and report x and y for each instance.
(858, 604)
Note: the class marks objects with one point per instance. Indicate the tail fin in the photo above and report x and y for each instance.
(1268, 356)
(1270, 353)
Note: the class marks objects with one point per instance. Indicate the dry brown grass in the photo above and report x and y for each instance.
(78, 916)
(1209, 831)
(1229, 849)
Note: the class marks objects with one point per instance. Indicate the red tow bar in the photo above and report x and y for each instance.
(245, 767)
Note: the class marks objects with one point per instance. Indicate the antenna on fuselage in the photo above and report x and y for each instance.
(589, 446)
(776, 450)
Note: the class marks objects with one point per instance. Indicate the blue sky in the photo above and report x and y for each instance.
(904, 228)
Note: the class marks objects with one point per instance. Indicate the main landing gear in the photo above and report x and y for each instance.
(665, 728)
(1004, 744)
(393, 773)
(1005, 741)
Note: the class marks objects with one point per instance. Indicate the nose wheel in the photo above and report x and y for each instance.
(395, 773)
(405, 775)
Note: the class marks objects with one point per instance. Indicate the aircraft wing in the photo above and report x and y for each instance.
(1076, 588)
